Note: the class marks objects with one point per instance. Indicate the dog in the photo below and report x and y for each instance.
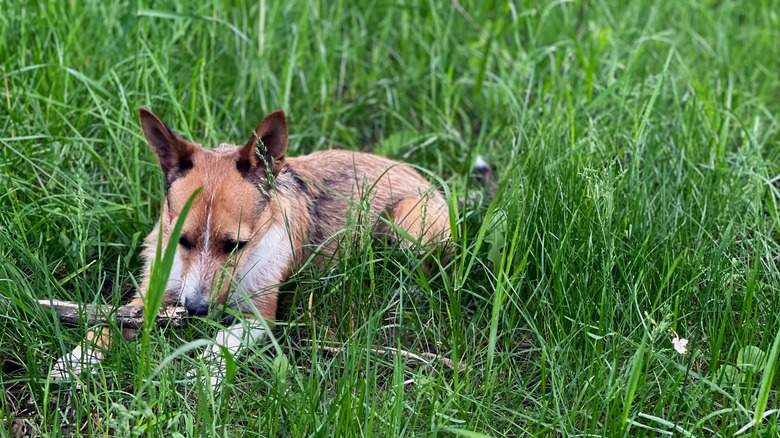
(258, 217)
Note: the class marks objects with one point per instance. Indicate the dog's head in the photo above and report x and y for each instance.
(232, 229)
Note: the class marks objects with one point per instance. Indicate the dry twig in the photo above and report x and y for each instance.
(125, 316)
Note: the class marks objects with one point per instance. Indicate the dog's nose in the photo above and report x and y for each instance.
(195, 308)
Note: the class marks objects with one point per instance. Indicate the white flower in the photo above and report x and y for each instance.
(680, 345)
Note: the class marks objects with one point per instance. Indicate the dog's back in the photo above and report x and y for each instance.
(335, 186)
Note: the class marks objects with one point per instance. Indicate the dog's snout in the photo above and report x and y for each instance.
(197, 308)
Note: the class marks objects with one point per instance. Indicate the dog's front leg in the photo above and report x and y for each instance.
(90, 352)
(258, 309)
(92, 349)
(234, 339)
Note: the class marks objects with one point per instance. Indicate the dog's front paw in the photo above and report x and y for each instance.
(217, 358)
(74, 363)
(211, 375)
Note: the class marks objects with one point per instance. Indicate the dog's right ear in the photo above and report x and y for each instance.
(173, 151)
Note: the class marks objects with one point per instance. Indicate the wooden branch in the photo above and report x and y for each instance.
(125, 316)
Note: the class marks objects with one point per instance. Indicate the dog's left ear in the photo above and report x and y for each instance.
(268, 152)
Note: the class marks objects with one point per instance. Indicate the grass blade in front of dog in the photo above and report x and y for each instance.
(161, 270)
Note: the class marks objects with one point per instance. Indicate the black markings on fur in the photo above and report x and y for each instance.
(286, 181)
(317, 207)
(290, 183)
(340, 177)
(298, 181)
(262, 176)
(182, 168)
(185, 164)
(322, 202)
(259, 208)
(316, 232)
(243, 167)
(178, 169)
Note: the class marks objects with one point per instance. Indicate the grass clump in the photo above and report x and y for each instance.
(637, 150)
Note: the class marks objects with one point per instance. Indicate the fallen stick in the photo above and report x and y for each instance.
(125, 316)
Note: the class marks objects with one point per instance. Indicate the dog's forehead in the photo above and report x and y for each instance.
(226, 196)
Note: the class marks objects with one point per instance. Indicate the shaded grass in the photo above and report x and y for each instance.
(637, 144)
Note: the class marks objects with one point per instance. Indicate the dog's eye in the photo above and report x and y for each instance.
(232, 245)
(185, 243)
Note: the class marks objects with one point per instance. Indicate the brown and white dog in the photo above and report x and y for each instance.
(258, 217)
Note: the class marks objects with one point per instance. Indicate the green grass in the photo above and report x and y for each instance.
(637, 144)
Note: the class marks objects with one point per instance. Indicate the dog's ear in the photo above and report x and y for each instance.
(266, 149)
(174, 152)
